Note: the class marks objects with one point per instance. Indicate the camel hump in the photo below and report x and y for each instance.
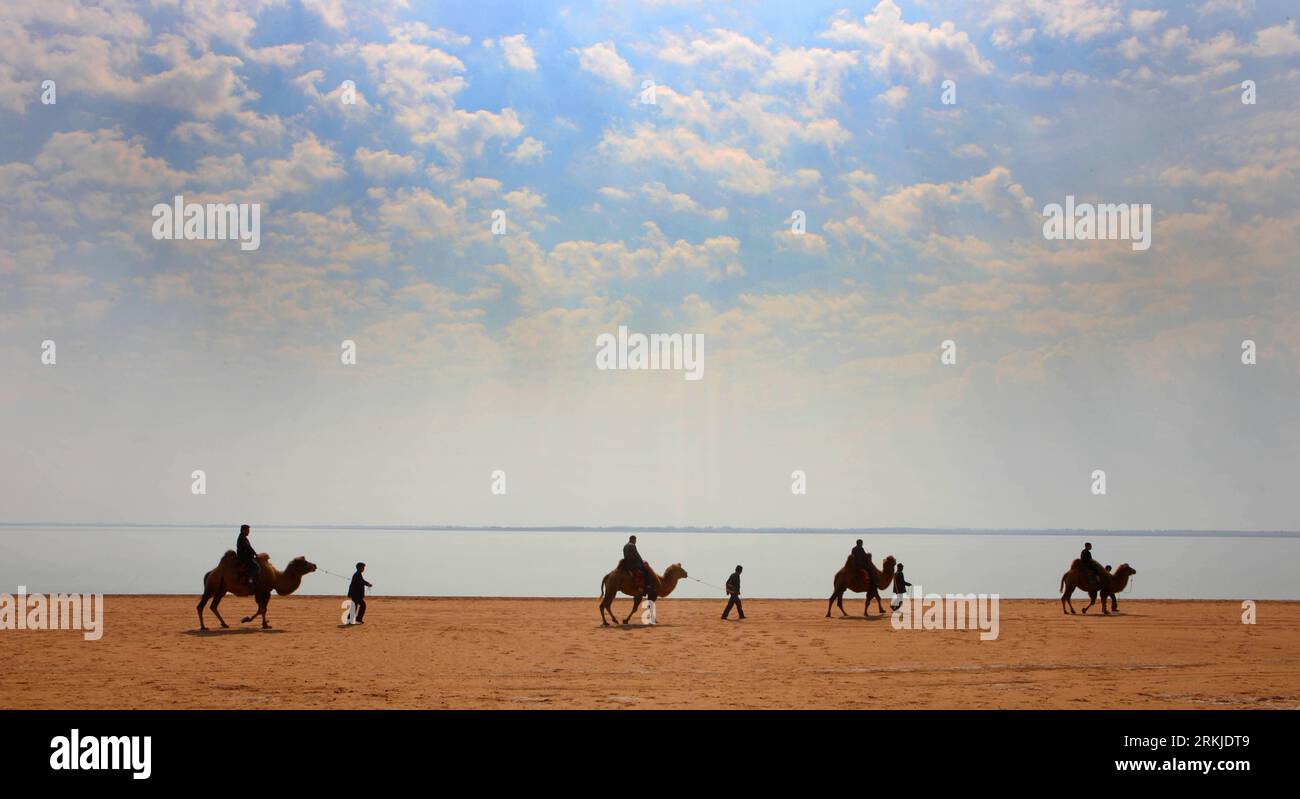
(1076, 563)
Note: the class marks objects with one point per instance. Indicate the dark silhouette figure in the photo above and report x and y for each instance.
(733, 590)
(357, 593)
(632, 559)
(246, 555)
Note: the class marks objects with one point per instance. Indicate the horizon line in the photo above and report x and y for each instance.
(1130, 532)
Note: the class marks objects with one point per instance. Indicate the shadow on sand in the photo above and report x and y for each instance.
(208, 633)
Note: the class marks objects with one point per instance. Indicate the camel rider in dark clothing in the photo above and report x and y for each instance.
(1086, 558)
(632, 560)
(862, 561)
(246, 555)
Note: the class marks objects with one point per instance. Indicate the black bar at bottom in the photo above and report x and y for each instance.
(499, 749)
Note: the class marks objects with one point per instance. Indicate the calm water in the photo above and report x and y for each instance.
(492, 563)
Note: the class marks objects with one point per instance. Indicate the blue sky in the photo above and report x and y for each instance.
(476, 351)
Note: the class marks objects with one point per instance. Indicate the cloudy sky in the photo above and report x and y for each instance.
(475, 352)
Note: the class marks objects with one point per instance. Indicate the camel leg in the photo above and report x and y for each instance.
(261, 611)
(839, 600)
(1092, 600)
(636, 603)
(1065, 600)
(607, 605)
(216, 600)
(866, 607)
(1103, 606)
(879, 606)
(202, 602)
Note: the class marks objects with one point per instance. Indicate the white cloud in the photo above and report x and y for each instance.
(894, 96)
(517, 53)
(660, 197)
(818, 70)
(1080, 20)
(330, 12)
(902, 49)
(682, 148)
(383, 165)
(1140, 19)
(529, 151)
(602, 59)
(724, 48)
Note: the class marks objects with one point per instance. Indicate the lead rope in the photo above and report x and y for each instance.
(710, 585)
(341, 577)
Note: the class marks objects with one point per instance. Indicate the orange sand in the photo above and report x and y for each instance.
(552, 653)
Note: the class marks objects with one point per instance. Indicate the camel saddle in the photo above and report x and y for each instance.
(638, 576)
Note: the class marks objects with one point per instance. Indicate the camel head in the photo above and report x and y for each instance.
(676, 571)
(1125, 570)
(888, 565)
(300, 565)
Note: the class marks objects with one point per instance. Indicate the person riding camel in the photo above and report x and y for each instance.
(247, 556)
(1088, 560)
(862, 561)
(633, 562)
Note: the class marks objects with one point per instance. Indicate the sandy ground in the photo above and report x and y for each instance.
(552, 653)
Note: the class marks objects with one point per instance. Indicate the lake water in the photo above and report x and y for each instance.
(566, 564)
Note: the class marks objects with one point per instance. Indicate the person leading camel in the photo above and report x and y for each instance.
(900, 588)
(733, 591)
(246, 555)
(357, 593)
(632, 560)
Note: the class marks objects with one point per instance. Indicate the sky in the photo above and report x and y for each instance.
(649, 160)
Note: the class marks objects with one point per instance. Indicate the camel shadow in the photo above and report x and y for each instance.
(630, 627)
(230, 631)
(860, 618)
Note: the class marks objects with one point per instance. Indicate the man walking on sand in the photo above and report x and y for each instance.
(733, 590)
(357, 593)
(900, 588)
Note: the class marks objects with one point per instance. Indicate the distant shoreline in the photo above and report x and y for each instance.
(454, 528)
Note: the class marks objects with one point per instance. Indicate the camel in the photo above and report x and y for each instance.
(623, 580)
(226, 578)
(1085, 579)
(849, 578)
